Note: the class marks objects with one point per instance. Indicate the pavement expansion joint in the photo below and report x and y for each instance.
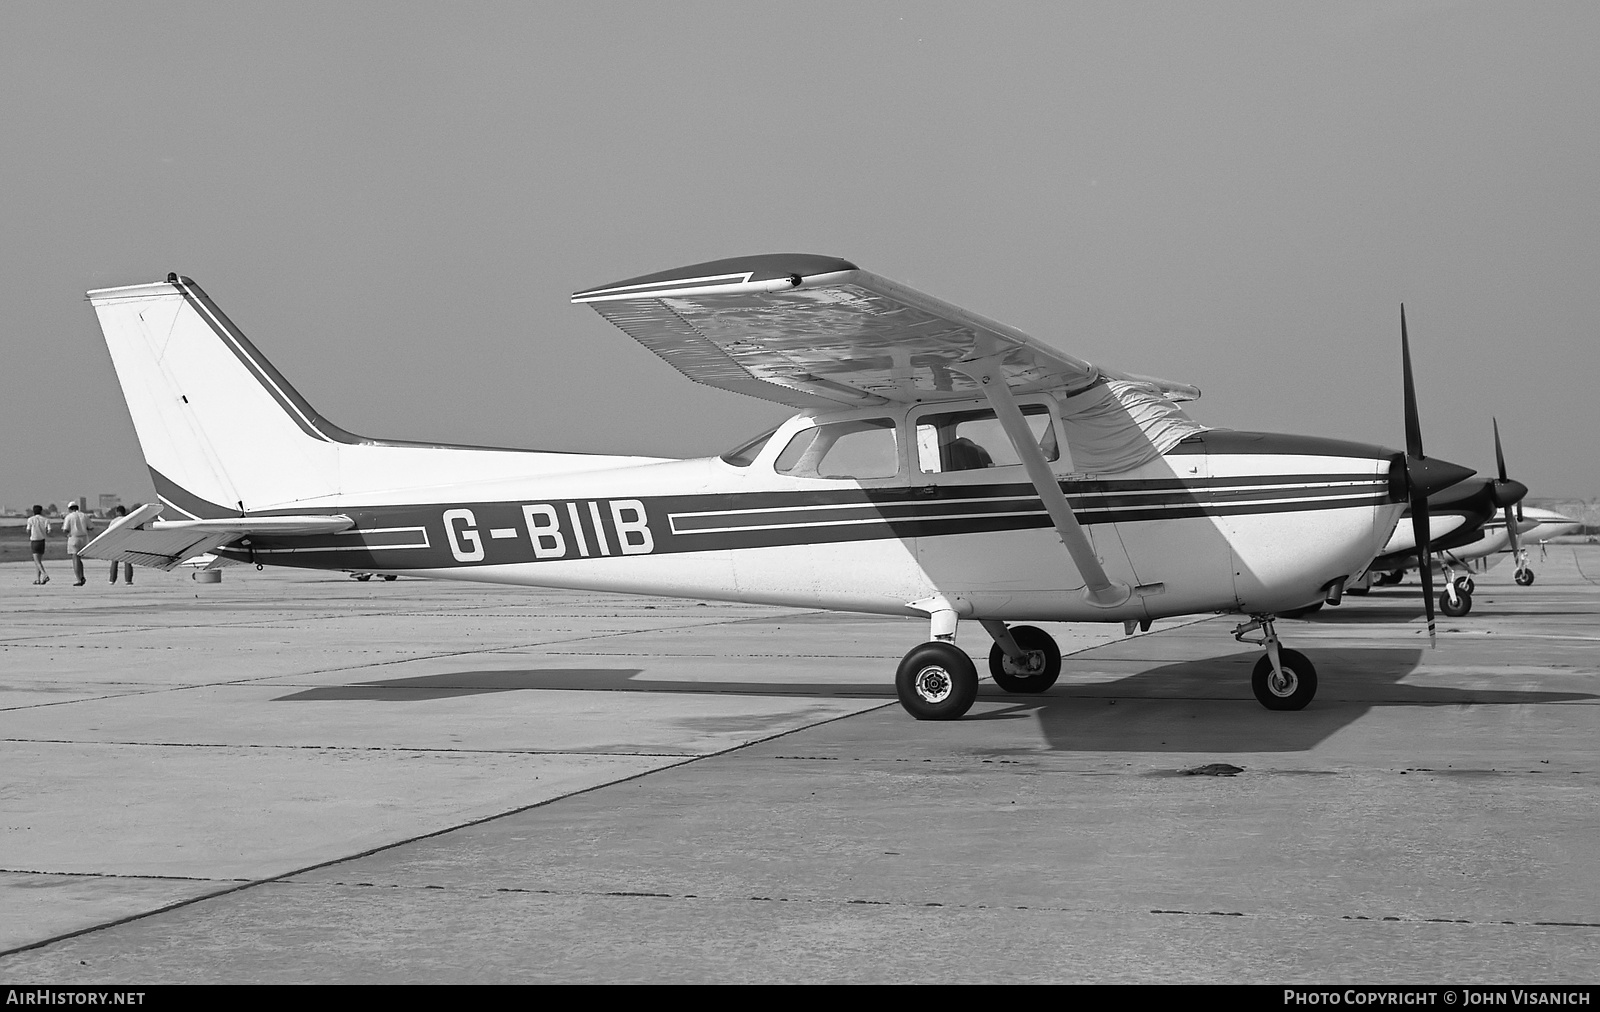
(914, 904)
(1391, 918)
(407, 749)
(128, 877)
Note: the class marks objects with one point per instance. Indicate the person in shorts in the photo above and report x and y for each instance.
(38, 530)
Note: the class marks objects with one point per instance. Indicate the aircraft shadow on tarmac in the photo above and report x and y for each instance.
(470, 683)
(1196, 706)
(1187, 706)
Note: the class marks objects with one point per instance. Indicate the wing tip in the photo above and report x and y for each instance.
(718, 274)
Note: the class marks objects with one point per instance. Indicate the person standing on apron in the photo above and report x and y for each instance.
(127, 567)
(76, 526)
(38, 531)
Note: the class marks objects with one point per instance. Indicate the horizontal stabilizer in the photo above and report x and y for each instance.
(142, 539)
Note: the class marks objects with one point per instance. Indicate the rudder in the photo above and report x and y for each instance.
(213, 416)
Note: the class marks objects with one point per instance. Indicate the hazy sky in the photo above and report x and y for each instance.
(395, 200)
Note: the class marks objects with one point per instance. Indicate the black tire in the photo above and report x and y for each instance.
(390, 578)
(1301, 681)
(363, 577)
(1393, 579)
(936, 681)
(1524, 577)
(1464, 585)
(1461, 607)
(1042, 672)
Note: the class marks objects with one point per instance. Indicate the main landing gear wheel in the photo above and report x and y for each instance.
(937, 681)
(1390, 579)
(1290, 692)
(1457, 608)
(1524, 577)
(1038, 672)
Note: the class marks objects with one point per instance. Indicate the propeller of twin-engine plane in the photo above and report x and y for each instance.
(1424, 476)
(1507, 493)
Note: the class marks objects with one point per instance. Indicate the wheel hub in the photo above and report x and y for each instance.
(934, 684)
(1283, 683)
(1032, 664)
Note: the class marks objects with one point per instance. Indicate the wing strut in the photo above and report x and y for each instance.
(1101, 590)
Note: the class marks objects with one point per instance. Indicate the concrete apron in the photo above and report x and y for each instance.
(1431, 816)
(169, 740)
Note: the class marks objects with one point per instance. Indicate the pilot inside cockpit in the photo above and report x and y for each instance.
(962, 454)
(974, 440)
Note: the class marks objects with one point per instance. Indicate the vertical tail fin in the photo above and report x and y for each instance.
(221, 429)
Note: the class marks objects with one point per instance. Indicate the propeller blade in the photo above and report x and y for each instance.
(1423, 477)
(1507, 494)
(1413, 422)
(1516, 538)
(1419, 528)
(1499, 456)
(1507, 491)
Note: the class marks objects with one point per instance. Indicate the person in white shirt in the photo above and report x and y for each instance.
(38, 530)
(76, 526)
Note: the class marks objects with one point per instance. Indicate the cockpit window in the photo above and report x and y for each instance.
(859, 448)
(745, 454)
(974, 439)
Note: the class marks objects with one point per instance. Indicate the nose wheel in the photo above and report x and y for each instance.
(1524, 577)
(1284, 679)
(1289, 688)
(1455, 605)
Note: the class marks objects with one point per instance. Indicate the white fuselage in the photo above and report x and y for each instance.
(1224, 522)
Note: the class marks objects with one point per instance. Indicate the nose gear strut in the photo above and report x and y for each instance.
(1284, 679)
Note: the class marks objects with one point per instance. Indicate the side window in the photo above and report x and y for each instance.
(860, 448)
(745, 454)
(974, 439)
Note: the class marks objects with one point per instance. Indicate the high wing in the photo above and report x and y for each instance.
(141, 538)
(818, 332)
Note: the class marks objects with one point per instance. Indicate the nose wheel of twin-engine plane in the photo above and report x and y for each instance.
(1524, 577)
(936, 681)
(1455, 605)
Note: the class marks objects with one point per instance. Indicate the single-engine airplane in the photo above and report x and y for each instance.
(940, 464)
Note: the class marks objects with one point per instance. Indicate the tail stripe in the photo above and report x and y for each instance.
(185, 501)
(296, 406)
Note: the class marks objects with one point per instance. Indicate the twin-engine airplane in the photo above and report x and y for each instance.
(1467, 520)
(1482, 550)
(941, 464)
